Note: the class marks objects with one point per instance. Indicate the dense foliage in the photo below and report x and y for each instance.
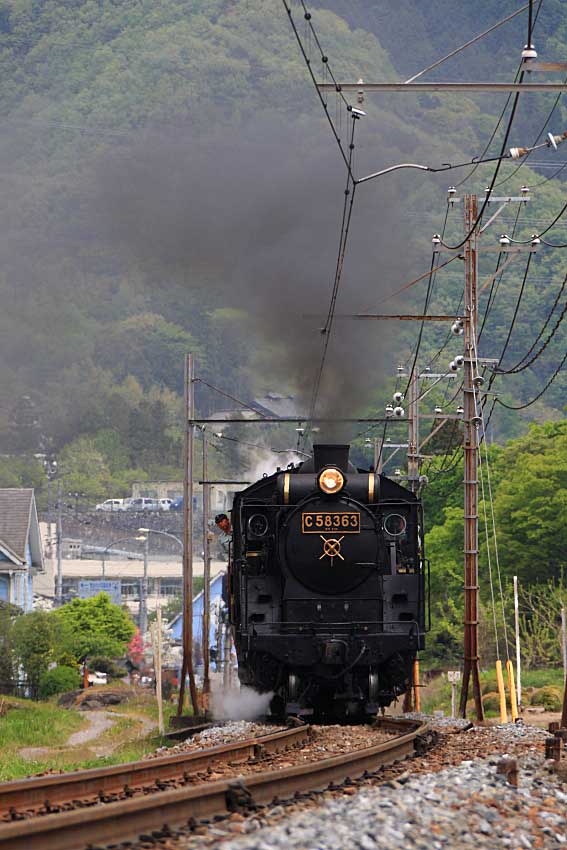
(529, 488)
(34, 642)
(105, 291)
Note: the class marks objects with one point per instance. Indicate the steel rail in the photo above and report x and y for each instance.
(126, 820)
(25, 794)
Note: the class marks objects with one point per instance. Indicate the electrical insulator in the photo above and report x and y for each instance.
(438, 410)
(453, 366)
(436, 239)
(536, 241)
(399, 411)
(398, 397)
(505, 240)
(360, 93)
(529, 53)
(460, 410)
(459, 359)
(389, 410)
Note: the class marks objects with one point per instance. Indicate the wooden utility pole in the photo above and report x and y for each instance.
(187, 666)
(470, 443)
(206, 567)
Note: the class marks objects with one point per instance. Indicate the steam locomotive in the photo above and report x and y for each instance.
(326, 587)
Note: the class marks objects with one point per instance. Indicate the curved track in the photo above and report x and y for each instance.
(127, 819)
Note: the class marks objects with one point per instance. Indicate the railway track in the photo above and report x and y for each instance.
(159, 807)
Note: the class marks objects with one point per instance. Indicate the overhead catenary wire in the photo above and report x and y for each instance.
(349, 194)
(325, 61)
(525, 160)
(471, 41)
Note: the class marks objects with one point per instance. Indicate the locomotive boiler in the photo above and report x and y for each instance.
(327, 587)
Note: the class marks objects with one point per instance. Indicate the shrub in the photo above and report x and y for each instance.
(491, 701)
(550, 697)
(58, 680)
(106, 665)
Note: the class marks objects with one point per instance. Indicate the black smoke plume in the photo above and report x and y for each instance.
(256, 212)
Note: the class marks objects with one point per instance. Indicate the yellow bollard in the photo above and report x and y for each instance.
(416, 694)
(501, 692)
(512, 687)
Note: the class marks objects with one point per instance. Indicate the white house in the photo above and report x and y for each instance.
(20, 546)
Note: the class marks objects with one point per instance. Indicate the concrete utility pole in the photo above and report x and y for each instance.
(187, 666)
(144, 590)
(59, 542)
(206, 566)
(413, 429)
(518, 653)
(470, 445)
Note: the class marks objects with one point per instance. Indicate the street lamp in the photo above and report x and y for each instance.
(144, 594)
(164, 533)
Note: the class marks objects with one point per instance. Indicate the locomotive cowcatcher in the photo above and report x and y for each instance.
(327, 587)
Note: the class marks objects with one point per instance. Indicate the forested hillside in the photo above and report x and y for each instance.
(169, 184)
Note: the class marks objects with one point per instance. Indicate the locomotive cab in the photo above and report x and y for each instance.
(326, 587)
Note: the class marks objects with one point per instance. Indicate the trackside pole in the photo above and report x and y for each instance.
(518, 656)
(470, 437)
(187, 666)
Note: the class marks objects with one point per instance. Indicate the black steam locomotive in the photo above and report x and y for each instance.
(327, 587)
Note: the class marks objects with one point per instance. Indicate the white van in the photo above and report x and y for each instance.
(110, 505)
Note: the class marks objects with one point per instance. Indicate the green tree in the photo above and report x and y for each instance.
(93, 627)
(8, 614)
(531, 504)
(35, 641)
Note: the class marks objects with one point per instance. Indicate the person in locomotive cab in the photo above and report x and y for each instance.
(222, 522)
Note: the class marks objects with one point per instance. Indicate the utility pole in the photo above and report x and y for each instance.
(518, 653)
(470, 444)
(413, 430)
(59, 542)
(187, 666)
(206, 567)
(144, 590)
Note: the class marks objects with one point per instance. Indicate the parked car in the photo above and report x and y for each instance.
(141, 504)
(110, 505)
(177, 504)
(165, 504)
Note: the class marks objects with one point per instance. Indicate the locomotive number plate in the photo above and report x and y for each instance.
(315, 523)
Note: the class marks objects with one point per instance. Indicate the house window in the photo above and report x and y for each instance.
(171, 587)
(130, 589)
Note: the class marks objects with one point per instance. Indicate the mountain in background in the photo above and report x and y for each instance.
(170, 184)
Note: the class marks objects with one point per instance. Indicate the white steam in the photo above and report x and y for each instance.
(239, 703)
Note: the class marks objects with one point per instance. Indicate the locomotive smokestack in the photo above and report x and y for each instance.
(327, 454)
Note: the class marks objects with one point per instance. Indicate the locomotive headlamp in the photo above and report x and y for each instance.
(331, 480)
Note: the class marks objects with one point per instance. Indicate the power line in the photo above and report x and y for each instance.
(539, 395)
(468, 43)
(325, 62)
(521, 366)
